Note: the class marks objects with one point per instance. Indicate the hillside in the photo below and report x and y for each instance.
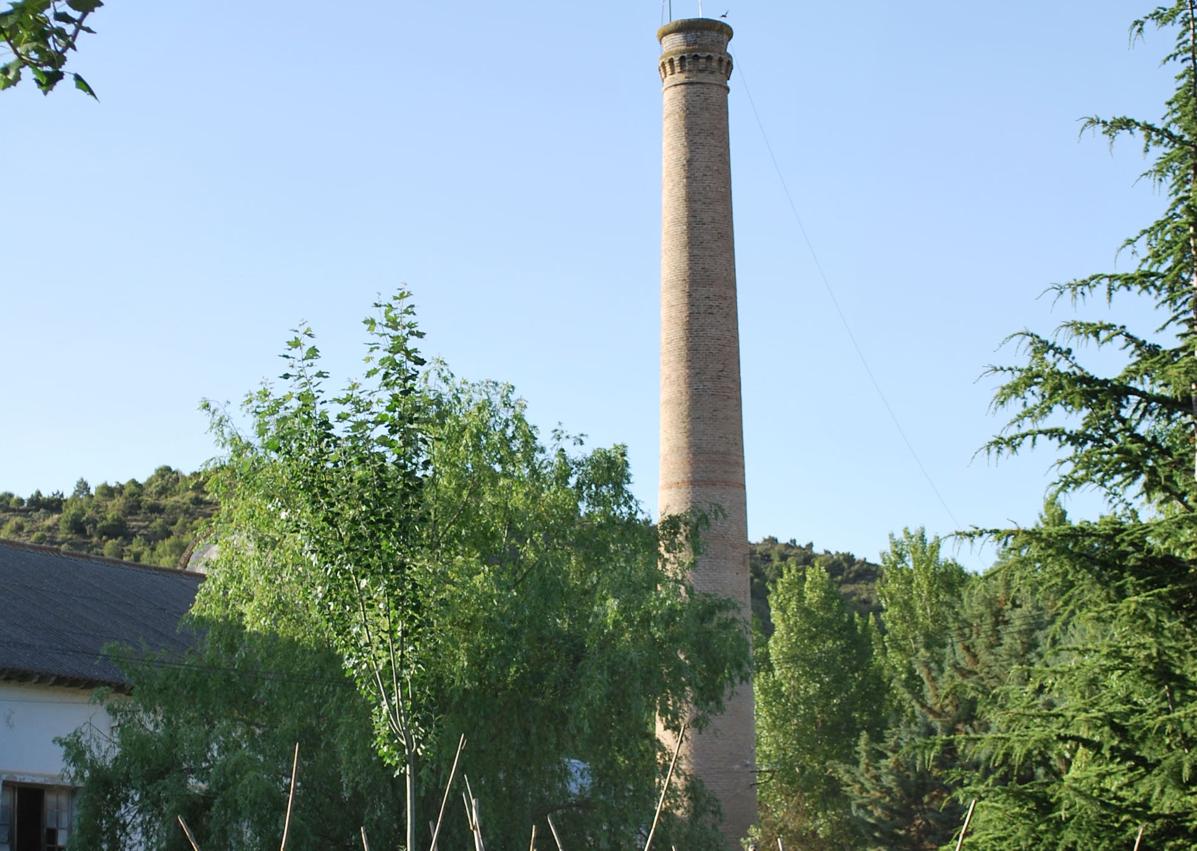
(151, 522)
(155, 521)
(855, 578)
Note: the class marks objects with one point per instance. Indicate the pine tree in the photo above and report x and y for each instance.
(1091, 739)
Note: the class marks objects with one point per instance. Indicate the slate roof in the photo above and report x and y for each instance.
(58, 611)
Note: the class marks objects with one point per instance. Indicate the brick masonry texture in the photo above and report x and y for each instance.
(702, 444)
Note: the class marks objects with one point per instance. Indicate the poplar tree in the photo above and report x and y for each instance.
(818, 688)
(472, 580)
(38, 36)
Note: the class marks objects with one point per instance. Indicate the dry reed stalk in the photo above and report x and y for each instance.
(365, 842)
(780, 847)
(465, 799)
(290, 799)
(445, 799)
(478, 828)
(1139, 838)
(553, 828)
(968, 817)
(532, 841)
(665, 788)
(471, 805)
(188, 834)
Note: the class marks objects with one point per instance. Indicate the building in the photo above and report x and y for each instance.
(58, 612)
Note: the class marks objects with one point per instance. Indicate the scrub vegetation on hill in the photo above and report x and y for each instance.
(157, 522)
(151, 522)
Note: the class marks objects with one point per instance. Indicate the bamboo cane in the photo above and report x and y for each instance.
(532, 841)
(968, 817)
(1139, 838)
(665, 788)
(471, 805)
(553, 828)
(469, 815)
(188, 834)
(290, 799)
(478, 828)
(365, 842)
(444, 800)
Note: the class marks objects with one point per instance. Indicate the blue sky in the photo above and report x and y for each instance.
(252, 165)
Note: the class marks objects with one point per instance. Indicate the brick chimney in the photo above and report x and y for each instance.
(702, 442)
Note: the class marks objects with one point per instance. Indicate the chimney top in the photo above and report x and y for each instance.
(695, 25)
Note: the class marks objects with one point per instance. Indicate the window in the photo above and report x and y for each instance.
(35, 818)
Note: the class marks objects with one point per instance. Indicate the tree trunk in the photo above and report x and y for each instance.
(410, 770)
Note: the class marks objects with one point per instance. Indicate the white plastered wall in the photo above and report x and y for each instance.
(31, 718)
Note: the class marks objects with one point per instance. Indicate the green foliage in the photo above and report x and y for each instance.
(1057, 689)
(818, 689)
(154, 523)
(209, 736)
(1090, 738)
(71, 521)
(1129, 434)
(855, 578)
(898, 781)
(39, 35)
(921, 595)
(472, 580)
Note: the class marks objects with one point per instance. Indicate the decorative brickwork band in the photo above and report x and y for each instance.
(702, 443)
(691, 65)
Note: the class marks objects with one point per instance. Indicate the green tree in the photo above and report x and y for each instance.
(818, 689)
(39, 36)
(920, 594)
(899, 780)
(472, 581)
(855, 578)
(71, 521)
(209, 736)
(1092, 739)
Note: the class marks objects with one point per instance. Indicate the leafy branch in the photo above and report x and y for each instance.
(39, 35)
